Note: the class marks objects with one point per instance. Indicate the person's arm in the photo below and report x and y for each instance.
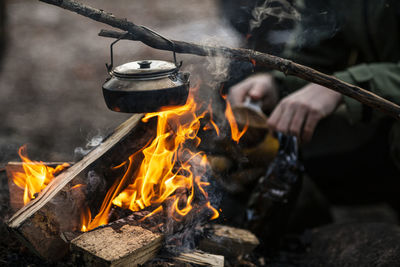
(299, 112)
(382, 79)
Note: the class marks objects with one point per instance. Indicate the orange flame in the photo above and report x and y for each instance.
(211, 124)
(235, 133)
(169, 170)
(36, 175)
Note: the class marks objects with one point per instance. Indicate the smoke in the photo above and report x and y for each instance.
(319, 23)
(217, 67)
(298, 25)
(280, 9)
(95, 141)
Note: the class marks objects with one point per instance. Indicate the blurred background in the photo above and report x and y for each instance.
(53, 67)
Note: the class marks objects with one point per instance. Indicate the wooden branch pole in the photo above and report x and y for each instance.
(41, 224)
(139, 33)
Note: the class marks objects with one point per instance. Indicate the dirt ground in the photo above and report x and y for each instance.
(53, 69)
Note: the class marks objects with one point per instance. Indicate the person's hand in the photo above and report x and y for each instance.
(299, 112)
(259, 87)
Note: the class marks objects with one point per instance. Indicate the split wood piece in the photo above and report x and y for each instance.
(201, 258)
(58, 207)
(128, 245)
(229, 241)
(143, 34)
(17, 193)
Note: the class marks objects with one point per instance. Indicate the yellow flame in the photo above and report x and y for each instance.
(166, 170)
(36, 175)
(166, 167)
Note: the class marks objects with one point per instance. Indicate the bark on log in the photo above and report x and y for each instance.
(17, 193)
(288, 67)
(229, 241)
(41, 223)
(127, 245)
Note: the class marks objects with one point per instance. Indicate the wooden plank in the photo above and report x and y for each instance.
(57, 208)
(229, 241)
(201, 258)
(128, 245)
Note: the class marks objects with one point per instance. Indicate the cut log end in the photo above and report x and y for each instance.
(127, 246)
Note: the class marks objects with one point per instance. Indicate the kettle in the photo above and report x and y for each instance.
(145, 85)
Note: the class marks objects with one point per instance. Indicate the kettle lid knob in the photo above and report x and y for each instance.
(145, 64)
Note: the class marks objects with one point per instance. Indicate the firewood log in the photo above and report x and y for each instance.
(200, 258)
(127, 245)
(229, 241)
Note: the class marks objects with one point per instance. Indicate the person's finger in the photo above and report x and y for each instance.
(238, 93)
(258, 91)
(285, 118)
(274, 118)
(298, 120)
(308, 130)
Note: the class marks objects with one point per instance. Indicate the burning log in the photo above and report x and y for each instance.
(58, 208)
(229, 241)
(148, 37)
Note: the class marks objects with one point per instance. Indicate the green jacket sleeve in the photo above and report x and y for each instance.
(382, 79)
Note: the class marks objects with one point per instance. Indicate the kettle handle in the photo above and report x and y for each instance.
(168, 40)
(110, 66)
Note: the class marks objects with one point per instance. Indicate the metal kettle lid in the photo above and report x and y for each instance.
(145, 69)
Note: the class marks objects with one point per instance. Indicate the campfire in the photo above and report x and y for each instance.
(159, 185)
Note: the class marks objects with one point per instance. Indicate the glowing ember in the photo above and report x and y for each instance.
(36, 175)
